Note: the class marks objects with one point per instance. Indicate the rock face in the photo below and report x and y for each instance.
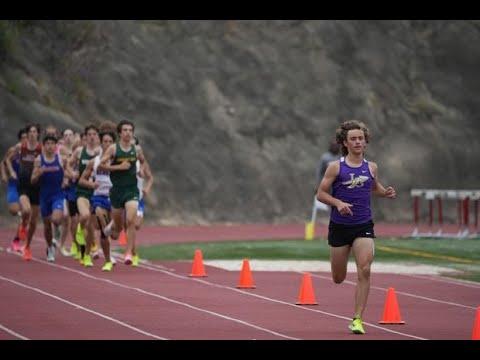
(234, 115)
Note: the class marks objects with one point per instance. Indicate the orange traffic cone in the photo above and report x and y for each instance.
(122, 238)
(391, 311)
(476, 326)
(246, 279)
(197, 269)
(306, 295)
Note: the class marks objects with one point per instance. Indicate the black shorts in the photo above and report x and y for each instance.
(341, 235)
(72, 208)
(31, 191)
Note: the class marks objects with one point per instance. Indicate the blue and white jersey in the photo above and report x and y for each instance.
(102, 177)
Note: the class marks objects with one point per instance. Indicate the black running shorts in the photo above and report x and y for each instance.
(72, 208)
(341, 235)
(32, 191)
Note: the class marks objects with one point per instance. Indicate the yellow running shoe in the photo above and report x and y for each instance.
(87, 261)
(94, 247)
(107, 267)
(79, 235)
(135, 260)
(356, 326)
(73, 249)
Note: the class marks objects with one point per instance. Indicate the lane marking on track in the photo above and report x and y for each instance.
(225, 317)
(383, 289)
(161, 268)
(398, 292)
(349, 318)
(459, 282)
(119, 322)
(153, 267)
(11, 332)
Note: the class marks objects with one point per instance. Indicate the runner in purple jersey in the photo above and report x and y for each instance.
(353, 180)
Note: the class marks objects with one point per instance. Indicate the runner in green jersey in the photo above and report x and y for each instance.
(80, 157)
(120, 159)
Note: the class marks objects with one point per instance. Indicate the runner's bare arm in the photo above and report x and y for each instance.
(63, 151)
(73, 160)
(3, 170)
(140, 155)
(378, 189)
(148, 178)
(8, 152)
(37, 170)
(8, 160)
(107, 157)
(63, 164)
(68, 171)
(85, 178)
(3, 166)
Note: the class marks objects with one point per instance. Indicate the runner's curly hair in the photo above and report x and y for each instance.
(342, 131)
(107, 126)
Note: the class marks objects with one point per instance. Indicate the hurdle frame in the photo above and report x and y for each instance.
(436, 196)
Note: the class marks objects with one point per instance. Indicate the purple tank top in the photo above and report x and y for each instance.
(353, 185)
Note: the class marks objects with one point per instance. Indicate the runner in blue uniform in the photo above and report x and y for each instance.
(48, 172)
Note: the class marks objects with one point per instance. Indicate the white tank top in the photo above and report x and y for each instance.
(102, 177)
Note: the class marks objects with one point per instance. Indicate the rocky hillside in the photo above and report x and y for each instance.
(234, 115)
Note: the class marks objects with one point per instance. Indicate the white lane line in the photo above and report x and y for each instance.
(313, 272)
(152, 267)
(11, 332)
(398, 292)
(168, 299)
(81, 307)
(157, 268)
(459, 282)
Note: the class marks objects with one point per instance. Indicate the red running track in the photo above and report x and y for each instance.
(64, 300)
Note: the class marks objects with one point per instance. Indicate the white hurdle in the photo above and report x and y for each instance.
(435, 196)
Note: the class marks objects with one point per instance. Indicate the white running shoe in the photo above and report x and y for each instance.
(112, 260)
(51, 253)
(64, 251)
